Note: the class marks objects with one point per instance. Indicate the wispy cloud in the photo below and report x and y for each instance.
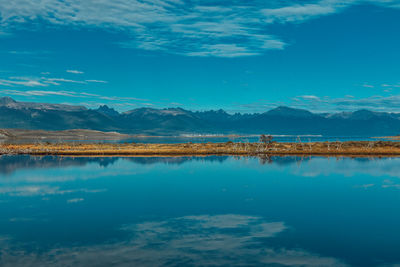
(368, 86)
(377, 103)
(233, 50)
(39, 93)
(292, 12)
(75, 71)
(115, 101)
(119, 98)
(349, 103)
(42, 81)
(391, 85)
(29, 82)
(95, 81)
(62, 80)
(192, 28)
(327, 104)
(23, 86)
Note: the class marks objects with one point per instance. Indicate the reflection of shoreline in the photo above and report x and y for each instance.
(9, 164)
(12, 163)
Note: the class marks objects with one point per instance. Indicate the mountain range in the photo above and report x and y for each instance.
(173, 121)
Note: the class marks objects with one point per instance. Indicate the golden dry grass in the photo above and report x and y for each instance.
(361, 148)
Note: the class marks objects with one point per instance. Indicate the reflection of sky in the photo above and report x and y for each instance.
(291, 211)
(231, 240)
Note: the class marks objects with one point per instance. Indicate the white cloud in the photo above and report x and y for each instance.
(368, 86)
(95, 81)
(390, 85)
(348, 103)
(39, 93)
(314, 103)
(188, 28)
(223, 50)
(75, 71)
(36, 81)
(63, 80)
(22, 82)
(376, 103)
(113, 101)
(42, 81)
(119, 98)
(195, 28)
(310, 97)
(297, 13)
(43, 93)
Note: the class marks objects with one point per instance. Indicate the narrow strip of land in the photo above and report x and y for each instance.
(356, 148)
(75, 134)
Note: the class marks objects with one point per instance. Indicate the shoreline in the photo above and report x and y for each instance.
(348, 148)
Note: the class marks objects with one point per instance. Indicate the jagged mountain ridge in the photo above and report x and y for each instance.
(172, 121)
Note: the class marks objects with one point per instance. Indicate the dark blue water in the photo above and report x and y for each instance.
(200, 211)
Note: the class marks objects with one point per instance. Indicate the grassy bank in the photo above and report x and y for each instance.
(356, 148)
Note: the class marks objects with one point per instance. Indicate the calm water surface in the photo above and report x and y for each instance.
(199, 211)
(195, 139)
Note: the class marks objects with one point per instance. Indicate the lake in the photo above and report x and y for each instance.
(250, 138)
(202, 139)
(199, 211)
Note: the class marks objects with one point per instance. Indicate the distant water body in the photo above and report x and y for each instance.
(199, 211)
(205, 139)
(252, 138)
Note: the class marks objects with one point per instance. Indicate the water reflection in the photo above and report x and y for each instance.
(175, 160)
(206, 240)
(199, 211)
(9, 164)
(312, 165)
(199, 139)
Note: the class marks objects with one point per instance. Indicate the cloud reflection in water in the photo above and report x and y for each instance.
(207, 240)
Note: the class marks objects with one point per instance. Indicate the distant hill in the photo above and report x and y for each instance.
(173, 121)
(42, 116)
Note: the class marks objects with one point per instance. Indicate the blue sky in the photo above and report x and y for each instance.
(242, 56)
